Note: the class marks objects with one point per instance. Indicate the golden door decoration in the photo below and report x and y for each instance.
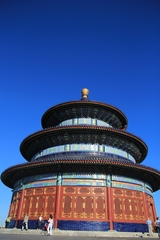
(140, 205)
(40, 206)
(15, 204)
(128, 205)
(100, 207)
(83, 203)
(83, 207)
(33, 207)
(150, 207)
(117, 207)
(130, 209)
(50, 206)
(14, 208)
(67, 206)
(26, 206)
(117, 203)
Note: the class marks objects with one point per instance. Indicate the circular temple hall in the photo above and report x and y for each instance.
(85, 169)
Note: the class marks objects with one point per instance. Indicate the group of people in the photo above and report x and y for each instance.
(157, 225)
(50, 224)
(39, 224)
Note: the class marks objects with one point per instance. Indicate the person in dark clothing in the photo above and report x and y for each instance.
(8, 219)
(40, 219)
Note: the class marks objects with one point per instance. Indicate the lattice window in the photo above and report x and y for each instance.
(84, 190)
(118, 206)
(33, 208)
(67, 204)
(98, 190)
(69, 190)
(89, 205)
(129, 193)
(118, 192)
(50, 204)
(29, 192)
(127, 206)
(26, 205)
(50, 190)
(100, 205)
(134, 207)
(79, 204)
(40, 205)
(38, 191)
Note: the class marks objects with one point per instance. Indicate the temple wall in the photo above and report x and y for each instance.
(100, 202)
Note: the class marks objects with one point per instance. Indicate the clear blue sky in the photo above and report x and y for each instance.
(51, 49)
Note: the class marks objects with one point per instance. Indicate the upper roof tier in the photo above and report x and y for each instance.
(84, 108)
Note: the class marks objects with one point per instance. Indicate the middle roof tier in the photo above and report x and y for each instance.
(63, 135)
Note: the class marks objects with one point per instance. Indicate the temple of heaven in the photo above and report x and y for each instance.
(85, 169)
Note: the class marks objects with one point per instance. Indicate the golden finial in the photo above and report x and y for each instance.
(85, 92)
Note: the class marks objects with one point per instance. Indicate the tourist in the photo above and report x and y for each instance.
(50, 225)
(149, 223)
(25, 223)
(40, 219)
(157, 223)
(7, 221)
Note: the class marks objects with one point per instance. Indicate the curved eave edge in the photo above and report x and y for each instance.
(83, 102)
(47, 132)
(150, 175)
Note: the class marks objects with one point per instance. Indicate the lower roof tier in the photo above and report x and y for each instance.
(87, 165)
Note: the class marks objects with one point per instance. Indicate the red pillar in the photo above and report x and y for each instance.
(154, 211)
(9, 213)
(110, 207)
(57, 202)
(20, 207)
(110, 202)
(10, 208)
(45, 206)
(145, 206)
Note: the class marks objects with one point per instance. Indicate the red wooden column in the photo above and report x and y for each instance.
(154, 211)
(20, 207)
(45, 207)
(110, 202)
(9, 213)
(145, 203)
(57, 201)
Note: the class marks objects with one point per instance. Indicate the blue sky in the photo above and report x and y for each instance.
(51, 49)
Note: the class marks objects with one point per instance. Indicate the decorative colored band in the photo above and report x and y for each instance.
(85, 121)
(84, 148)
(74, 179)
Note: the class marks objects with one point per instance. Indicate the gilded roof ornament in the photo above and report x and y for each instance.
(85, 92)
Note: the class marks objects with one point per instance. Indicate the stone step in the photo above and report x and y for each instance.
(57, 232)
